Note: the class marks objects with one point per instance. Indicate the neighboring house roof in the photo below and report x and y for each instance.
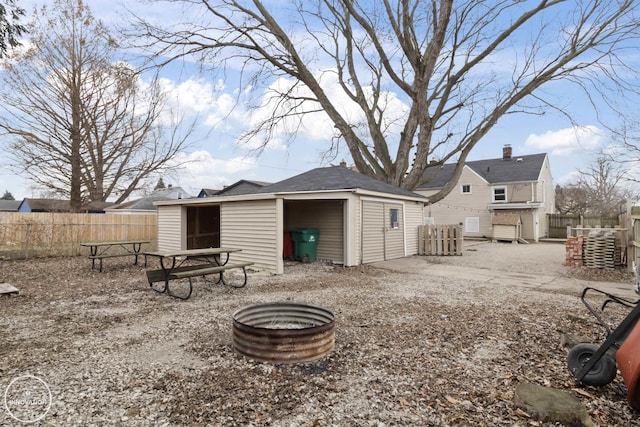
(494, 171)
(243, 186)
(334, 178)
(55, 205)
(9, 205)
(146, 203)
(207, 192)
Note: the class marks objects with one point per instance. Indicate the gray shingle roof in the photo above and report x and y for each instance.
(494, 171)
(146, 203)
(9, 205)
(334, 178)
(242, 187)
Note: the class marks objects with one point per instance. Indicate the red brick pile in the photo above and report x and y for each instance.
(574, 247)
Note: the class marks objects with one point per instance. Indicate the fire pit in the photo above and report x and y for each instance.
(283, 332)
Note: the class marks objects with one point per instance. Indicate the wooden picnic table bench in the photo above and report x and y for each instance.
(102, 250)
(208, 261)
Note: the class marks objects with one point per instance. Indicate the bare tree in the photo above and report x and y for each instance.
(457, 67)
(571, 199)
(626, 148)
(10, 27)
(80, 122)
(601, 187)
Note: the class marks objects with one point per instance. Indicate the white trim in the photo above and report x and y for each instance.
(279, 236)
(346, 213)
(493, 193)
(404, 227)
(466, 192)
(519, 205)
(300, 195)
(475, 173)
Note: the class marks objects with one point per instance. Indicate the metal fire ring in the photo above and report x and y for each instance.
(283, 332)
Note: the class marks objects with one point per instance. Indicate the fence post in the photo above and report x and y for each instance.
(26, 241)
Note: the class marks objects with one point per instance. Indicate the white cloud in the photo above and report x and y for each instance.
(316, 125)
(201, 170)
(565, 142)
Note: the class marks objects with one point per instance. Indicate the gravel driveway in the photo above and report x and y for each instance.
(433, 341)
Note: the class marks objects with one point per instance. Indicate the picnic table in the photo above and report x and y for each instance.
(189, 263)
(102, 250)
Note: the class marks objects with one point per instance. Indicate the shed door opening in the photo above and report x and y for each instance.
(203, 227)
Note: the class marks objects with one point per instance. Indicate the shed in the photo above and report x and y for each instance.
(360, 219)
(507, 227)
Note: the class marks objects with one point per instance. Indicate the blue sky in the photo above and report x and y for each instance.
(217, 160)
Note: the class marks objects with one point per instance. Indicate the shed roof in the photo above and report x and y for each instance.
(334, 178)
(506, 220)
(494, 171)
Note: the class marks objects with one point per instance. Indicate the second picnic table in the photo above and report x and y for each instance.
(104, 249)
(203, 262)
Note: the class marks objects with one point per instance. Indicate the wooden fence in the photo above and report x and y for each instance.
(557, 223)
(434, 239)
(26, 235)
(633, 246)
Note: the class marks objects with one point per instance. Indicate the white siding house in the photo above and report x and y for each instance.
(519, 185)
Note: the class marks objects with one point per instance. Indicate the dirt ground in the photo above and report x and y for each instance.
(432, 341)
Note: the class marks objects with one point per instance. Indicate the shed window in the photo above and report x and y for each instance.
(393, 213)
(465, 189)
(499, 194)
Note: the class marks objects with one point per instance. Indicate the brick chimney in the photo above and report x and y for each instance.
(506, 152)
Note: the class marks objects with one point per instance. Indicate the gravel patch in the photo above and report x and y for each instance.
(434, 341)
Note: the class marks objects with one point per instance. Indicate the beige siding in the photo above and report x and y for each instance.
(171, 228)
(325, 215)
(372, 231)
(520, 192)
(457, 207)
(545, 190)
(542, 223)
(528, 232)
(504, 232)
(413, 219)
(253, 227)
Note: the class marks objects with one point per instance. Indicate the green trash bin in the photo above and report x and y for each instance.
(305, 241)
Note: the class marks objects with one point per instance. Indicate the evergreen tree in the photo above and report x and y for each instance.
(7, 196)
(160, 185)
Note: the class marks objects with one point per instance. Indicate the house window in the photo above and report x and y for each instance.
(499, 194)
(394, 218)
(466, 189)
(472, 224)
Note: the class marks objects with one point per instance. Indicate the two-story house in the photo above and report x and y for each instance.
(489, 191)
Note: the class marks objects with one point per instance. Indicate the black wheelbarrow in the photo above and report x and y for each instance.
(596, 365)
